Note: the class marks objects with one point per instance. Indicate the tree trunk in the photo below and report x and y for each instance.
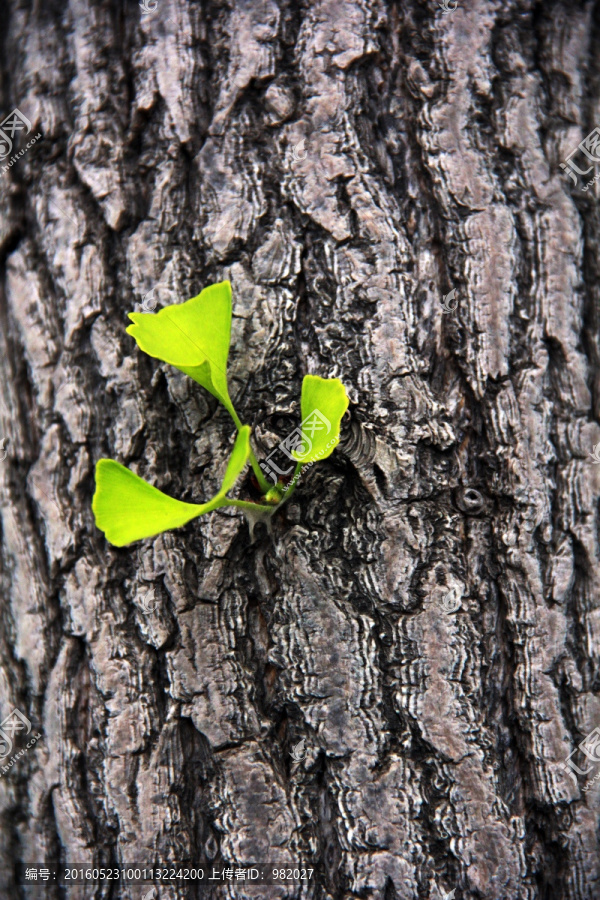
(385, 687)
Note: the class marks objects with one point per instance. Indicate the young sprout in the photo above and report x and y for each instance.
(194, 337)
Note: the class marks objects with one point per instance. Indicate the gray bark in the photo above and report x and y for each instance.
(346, 164)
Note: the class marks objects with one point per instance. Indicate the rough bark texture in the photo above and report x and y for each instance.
(346, 164)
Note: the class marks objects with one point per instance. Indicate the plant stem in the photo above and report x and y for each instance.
(254, 507)
(235, 417)
(293, 483)
(264, 484)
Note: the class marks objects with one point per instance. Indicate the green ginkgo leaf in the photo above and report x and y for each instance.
(127, 508)
(324, 401)
(194, 337)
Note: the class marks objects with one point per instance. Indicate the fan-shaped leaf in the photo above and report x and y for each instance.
(324, 401)
(192, 336)
(128, 509)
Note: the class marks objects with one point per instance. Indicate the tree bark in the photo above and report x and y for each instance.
(424, 613)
